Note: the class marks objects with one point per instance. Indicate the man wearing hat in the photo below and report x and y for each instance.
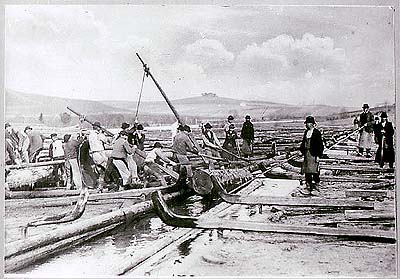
(247, 134)
(312, 148)
(139, 137)
(211, 143)
(181, 145)
(71, 148)
(119, 156)
(384, 136)
(365, 122)
(35, 143)
(228, 122)
(231, 143)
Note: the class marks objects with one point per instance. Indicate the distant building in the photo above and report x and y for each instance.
(209, 94)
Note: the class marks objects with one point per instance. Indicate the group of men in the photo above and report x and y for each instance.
(98, 158)
(22, 146)
(371, 128)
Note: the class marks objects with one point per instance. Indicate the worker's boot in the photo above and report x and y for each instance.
(306, 190)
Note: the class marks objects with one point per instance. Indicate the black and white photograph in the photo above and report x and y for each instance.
(200, 139)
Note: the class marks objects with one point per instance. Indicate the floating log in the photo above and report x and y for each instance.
(369, 215)
(19, 253)
(304, 202)
(173, 219)
(33, 165)
(28, 176)
(357, 193)
(70, 200)
(203, 184)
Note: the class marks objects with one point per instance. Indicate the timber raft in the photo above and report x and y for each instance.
(259, 198)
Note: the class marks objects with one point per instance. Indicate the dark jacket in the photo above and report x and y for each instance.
(316, 145)
(389, 132)
(247, 131)
(367, 118)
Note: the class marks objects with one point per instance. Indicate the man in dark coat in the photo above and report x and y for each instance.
(312, 148)
(247, 134)
(366, 121)
(384, 136)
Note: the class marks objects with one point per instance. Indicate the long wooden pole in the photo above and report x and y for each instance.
(148, 73)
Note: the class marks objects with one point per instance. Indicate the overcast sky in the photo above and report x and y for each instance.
(297, 55)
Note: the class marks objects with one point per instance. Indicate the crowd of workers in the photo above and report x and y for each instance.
(121, 161)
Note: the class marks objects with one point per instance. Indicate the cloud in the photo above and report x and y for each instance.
(209, 54)
(285, 56)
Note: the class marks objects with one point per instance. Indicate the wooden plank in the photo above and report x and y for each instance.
(369, 215)
(286, 201)
(210, 223)
(358, 193)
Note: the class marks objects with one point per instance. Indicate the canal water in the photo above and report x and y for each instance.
(102, 256)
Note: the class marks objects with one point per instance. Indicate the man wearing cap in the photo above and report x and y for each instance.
(153, 158)
(35, 143)
(231, 143)
(119, 156)
(228, 123)
(181, 145)
(188, 131)
(247, 134)
(312, 148)
(56, 152)
(139, 137)
(71, 146)
(384, 136)
(365, 122)
(97, 141)
(211, 143)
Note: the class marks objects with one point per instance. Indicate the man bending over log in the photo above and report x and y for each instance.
(154, 157)
(312, 148)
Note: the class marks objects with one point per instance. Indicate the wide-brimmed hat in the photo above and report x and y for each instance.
(208, 125)
(230, 117)
(53, 135)
(27, 128)
(384, 114)
(310, 119)
(97, 124)
(124, 125)
(139, 127)
(157, 145)
(67, 137)
(365, 106)
(187, 128)
(247, 116)
(181, 127)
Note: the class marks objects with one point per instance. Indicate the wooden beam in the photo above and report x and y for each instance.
(369, 215)
(358, 193)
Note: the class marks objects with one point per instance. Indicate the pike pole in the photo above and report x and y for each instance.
(148, 73)
(91, 123)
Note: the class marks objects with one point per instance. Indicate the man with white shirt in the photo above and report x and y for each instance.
(153, 158)
(97, 141)
(312, 148)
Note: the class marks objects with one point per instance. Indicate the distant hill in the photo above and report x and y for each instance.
(219, 107)
(28, 105)
(24, 107)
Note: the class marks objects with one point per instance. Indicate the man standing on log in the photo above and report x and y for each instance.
(384, 137)
(181, 145)
(56, 152)
(211, 143)
(119, 156)
(71, 147)
(312, 148)
(365, 122)
(247, 134)
(35, 143)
